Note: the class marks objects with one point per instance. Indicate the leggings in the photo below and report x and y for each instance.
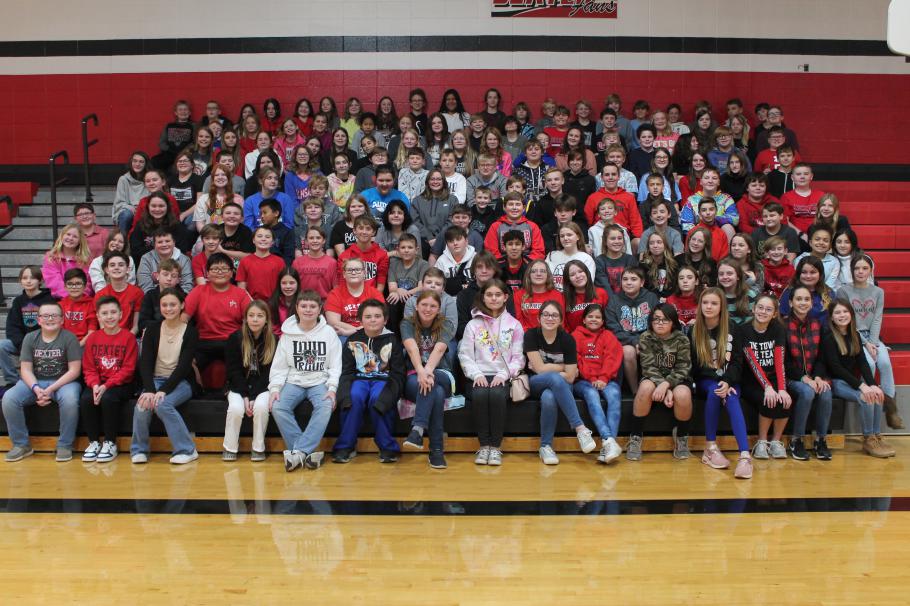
(489, 406)
(734, 412)
(106, 415)
(754, 395)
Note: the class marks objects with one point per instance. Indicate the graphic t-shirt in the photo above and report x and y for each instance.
(50, 360)
(562, 350)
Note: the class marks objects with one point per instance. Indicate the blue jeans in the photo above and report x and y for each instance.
(7, 366)
(430, 407)
(283, 411)
(125, 220)
(805, 395)
(553, 391)
(607, 424)
(870, 414)
(180, 437)
(19, 396)
(363, 395)
(883, 363)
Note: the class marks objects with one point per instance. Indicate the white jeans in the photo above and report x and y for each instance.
(235, 414)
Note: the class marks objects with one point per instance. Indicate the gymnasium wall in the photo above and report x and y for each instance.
(128, 61)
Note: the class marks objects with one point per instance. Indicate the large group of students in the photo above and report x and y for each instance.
(393, 265)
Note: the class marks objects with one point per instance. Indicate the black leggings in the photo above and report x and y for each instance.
(106, 415)
(489, 405)
(207, 352)
(754, 396)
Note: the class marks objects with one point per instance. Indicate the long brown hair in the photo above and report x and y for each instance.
(701, 337)
(251, 355)
(849, 344)
(438, 321)
(526, 280)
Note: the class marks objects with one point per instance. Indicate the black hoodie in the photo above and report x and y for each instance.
(366, 358)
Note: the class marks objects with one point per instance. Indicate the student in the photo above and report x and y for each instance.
(639, 160)
(570, 239)
(625, 205)
(697, 254)
(514, 263)
(458, 184)
(852, 378)
(78, 308)
(298, 175)
(690, 176)
(342, 234)
(801, 204)
(615, 153)
(426, 335)
(174, 136)
(627, 318)
(341, 182)
(375, 259)
(610, 264)
(372, 377)
(430, 210)
(578, 182)
(483, 268)
(685, 298)
(318, 271)
(217, 309)
(514, 219)
(406, 270)
(487, 175)
(342, 303)
(726, 215)
(147, 275)
(22, 319)
(452, 110)
(553, 367)
(484, 210)
(412, 178)
(491, 356)
(263, 145)
(666, 363)
(289, 139)
(455, 261)
(739, 297)
(846, 247)
(764, 382)
(115, 241)
(868, 301)
(95, 236)
(575, 142)
(767, 159)
(599, 363)
(780, 180)
(579, 292)
(659, 265)
(707, 221)
(157, 216)
(829, 215)
(809, 273)
(733, 179)
(69, 250)
(661, 213)
(717, 365)
(253, 184)
(268, 190)
(249, 355)
(283, 242)
(129, 296)
(465, 157)
(532, 170)
(306, 365)
(281, 301)
(752, 204)
(537, 288)
(258, 273)
(51, 363)
(378, 197)
(772, 218)
(557, 132)
(108, 363)
(130, 190)
(512, 139)
(237, 238)
(150, 309)
(563, 213)
(210, 236)
(778, 271)
(655, 188)
(807, 375)
(820, 238)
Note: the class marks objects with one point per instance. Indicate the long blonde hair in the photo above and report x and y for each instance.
(249, 353)
(83, 254)
(401, 158)
(701, 337)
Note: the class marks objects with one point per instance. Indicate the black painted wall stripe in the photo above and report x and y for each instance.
(417, 44)
(306, 507)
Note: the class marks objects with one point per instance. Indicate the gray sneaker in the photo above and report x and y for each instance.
(761, 450)
(633, 449)
(314, 460)
(777, 449)
(227, 455)
(680, 447)
(586, 441)
(257, 456)
(64, 454)
(17, 453)
(548, 455)
(483, 456)
(495, 457)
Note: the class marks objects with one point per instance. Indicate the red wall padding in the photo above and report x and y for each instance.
(842, 118)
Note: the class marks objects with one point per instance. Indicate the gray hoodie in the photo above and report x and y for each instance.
(129, 192)
(431, 215)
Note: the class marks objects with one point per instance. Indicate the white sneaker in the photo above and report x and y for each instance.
(495, 457)
(183, 459)
(292, 460)
(91, 453)
(483, 456)
(139, 458)
(108, 452)
(548, 455)
(760, 450)
(611, 450)
(585, 440)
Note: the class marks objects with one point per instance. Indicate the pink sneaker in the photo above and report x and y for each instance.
(743, 468)
(713, 457)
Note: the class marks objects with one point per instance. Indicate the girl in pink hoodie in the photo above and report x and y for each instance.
(70, 250)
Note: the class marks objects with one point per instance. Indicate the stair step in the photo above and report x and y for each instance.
(888, 264)
(897, 293)
(22, 192)
(896, 328)
(883, 237)
(859, 191)
(900, 363)
(864, 213)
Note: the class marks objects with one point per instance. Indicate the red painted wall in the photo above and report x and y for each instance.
(841, 118)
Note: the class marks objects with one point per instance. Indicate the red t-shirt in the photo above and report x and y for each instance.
(800, 210)
(686, 307)
(767, 159)
(556, 139)
(342, 302)
(375, 261)
(198, 266)
(319, 274)
(528, 311)
(130, 301)
(79, 316)
(575, 313)
(260, 274)
(217, 314)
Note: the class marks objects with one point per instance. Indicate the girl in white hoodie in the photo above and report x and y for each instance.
(306, 365)
(491, 355)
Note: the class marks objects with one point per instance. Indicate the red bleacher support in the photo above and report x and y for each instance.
(22, 192)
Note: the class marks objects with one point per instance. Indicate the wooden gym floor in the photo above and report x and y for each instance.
(655, 532)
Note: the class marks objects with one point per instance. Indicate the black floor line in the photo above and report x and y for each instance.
(454, 508)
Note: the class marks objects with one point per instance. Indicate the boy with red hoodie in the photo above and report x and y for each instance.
(375, 259)
(599, 360)
(778, 269)
(626, 207)
(752, 203)
(78, 309)
(513, 219)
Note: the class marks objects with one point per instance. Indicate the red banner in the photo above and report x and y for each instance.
(556, 9)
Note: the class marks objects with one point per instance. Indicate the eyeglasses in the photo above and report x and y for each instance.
(220, 269)
(550, 316)
(75, 284)
(50, 316)
(660, 321)
(85, 213)
(353, 271)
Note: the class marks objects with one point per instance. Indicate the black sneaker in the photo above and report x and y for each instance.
(343, 456)
(437, 461)
(414, 440)
(798, 449)
(822, 452)
(388, 456)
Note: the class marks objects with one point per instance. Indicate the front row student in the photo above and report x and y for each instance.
(666, 361)
(372, 379)
(306, 366)
(108, 363)
(166, 370)
(51, 363)
(248, 358)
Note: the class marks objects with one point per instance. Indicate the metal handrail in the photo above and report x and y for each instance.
(54, 182)
(85, 145)
(3, 232)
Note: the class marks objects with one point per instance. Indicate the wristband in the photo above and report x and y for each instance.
(34, 386)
